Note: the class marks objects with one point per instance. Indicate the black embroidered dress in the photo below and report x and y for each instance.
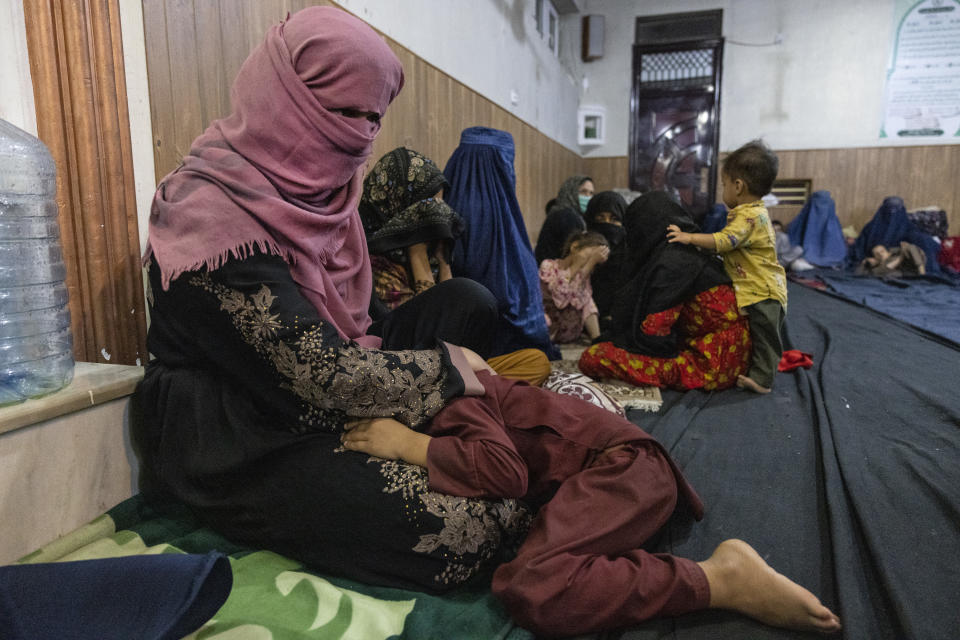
(240, 414)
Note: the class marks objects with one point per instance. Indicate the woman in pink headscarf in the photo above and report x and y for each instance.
(260, 284)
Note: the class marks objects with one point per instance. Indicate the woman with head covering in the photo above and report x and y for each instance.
(817, 230)
(494, 249)
(604, 215)
(260, 284)
(888, 228)
(674, 321)
(559, 225)
(409, 228)
(410, 234)
(574, 193)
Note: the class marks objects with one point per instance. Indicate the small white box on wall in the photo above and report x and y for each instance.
(591, 125)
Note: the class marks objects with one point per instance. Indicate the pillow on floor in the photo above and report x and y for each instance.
(581, 386)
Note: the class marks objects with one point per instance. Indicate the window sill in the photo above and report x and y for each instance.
(92, 384)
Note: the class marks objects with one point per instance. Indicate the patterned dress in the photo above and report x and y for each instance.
(567, 301)
(716, 347)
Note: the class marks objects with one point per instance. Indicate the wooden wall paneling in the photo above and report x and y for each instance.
(209, 47)
(859, 179)
(76, 61)
(608, 172)
(160, 87)
(185, 65)
(234, 47)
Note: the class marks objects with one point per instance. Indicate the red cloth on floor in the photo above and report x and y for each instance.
(949, 256)
(794, 359)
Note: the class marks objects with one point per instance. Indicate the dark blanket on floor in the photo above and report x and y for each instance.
(845, 478)
(931, 302)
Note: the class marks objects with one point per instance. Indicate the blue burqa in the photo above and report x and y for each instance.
(494, 249)
(817, 229)
(715, 219)
(889, 227)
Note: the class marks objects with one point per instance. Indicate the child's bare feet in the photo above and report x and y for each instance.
(749, 383)
(740, 580)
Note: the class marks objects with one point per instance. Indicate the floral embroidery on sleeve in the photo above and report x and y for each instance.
(333, 377)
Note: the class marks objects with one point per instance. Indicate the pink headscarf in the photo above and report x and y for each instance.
(283, 173)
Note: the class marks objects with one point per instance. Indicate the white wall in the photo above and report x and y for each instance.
(822, 87)
(138, 105)
(491, 46)
(16, 96)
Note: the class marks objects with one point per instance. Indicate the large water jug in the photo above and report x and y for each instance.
(36, 346)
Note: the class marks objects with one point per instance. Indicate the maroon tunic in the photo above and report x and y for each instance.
(581, 568)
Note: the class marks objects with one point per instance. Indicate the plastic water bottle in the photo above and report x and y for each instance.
(36, 345)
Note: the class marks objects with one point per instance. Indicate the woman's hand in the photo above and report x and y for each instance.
(386, 438)
(420, 267)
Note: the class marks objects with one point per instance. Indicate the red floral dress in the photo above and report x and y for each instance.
(717, 347)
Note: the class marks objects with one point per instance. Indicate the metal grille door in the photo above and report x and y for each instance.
(675, 120)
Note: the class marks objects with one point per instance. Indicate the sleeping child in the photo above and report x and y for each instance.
(603, 487)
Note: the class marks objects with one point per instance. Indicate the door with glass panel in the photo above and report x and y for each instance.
(675, 120)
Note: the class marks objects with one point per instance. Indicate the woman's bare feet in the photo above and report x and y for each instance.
(740, 580)
(749, 383)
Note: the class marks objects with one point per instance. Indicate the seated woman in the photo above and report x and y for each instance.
(604, 215)
(410, 232)
(565, 285)
(495, 248)
(816, 230)
(675, 322)
(260, 284)
(409, 228)
(574, 193)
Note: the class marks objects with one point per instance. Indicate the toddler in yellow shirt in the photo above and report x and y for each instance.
(748, 246)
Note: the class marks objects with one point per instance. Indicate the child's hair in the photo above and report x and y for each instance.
(583, 239)
(776, 224)
(755, 164)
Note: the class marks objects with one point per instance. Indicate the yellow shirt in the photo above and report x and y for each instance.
(748, 247)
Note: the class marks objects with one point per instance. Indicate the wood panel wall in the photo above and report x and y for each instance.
(857, 178)
(860, 178)
(195, 47)
(76, 62)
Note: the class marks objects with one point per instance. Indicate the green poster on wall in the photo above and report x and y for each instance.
(923, 78)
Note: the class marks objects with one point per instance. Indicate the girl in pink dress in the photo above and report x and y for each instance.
(565, 285)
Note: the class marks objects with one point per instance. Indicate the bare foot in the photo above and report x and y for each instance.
(740, 580)
(749, 383)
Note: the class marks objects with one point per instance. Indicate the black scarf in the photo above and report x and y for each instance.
(558, 226)
(657, 275)
(606, 276)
